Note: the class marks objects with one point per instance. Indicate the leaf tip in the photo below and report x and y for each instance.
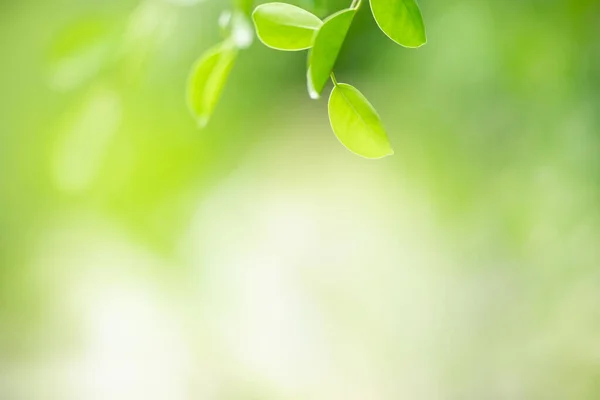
(422, 42)
(202, 121)
(313, 94)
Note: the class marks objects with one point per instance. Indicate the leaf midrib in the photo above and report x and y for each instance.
(299, 26)
(356, 111)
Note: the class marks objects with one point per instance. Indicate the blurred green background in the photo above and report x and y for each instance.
(141, 258)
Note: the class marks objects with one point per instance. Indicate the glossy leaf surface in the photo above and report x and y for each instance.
(401, 21)
(356, 123)
(285, 27)
(326, 48)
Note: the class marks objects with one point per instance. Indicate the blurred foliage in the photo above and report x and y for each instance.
(495, 125)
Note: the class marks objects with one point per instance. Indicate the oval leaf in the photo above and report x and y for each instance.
(356, 123)
(285, 27)
(401, 21)
(207, 80)
(326, 48)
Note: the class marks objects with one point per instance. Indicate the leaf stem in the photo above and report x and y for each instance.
(355, 4)
(335, 82)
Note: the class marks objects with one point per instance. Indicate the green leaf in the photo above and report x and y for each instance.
(207, 80)
(401, 21)
(285, 27)
(326, 48)
(356, 123)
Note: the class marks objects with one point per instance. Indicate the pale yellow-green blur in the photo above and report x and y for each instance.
(144, 259)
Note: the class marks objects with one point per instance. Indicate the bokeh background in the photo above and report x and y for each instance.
(142, 258)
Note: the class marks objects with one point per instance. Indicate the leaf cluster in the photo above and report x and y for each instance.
(286, 27)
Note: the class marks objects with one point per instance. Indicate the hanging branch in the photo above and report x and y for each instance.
(286, 27)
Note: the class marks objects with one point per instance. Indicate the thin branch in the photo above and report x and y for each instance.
(355, 4)
(335, 82)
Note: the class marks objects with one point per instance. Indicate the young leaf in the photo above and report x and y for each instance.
(356, 123)
(401, 21)
(326, 48)
(207, 80)
(285, 27)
